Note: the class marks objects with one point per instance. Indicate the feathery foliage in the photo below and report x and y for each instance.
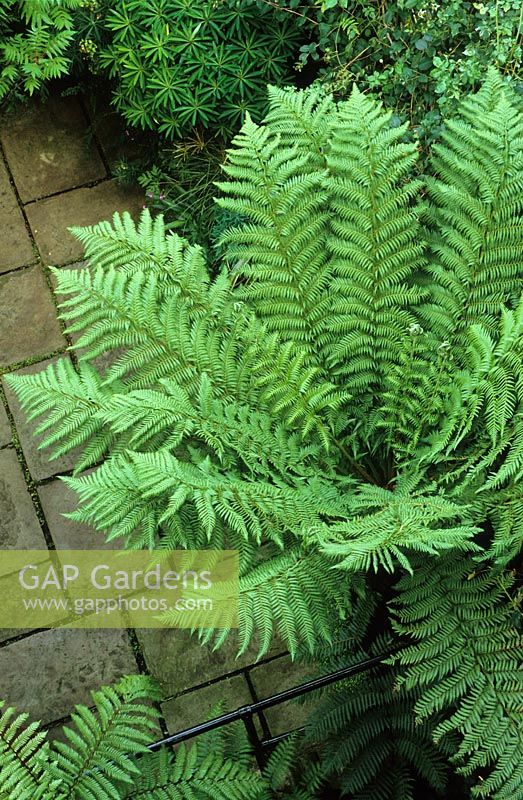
(342, 404)
(36, 39)
(466, 656)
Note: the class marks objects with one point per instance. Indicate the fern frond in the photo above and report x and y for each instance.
(69, 400)
(304, 119)
(466, 660)
(281, 252)
(294, 594)
(24, 758)
(184, 776)
(385, 528)
(146, 246)
(371, 739)
(475, 211)
(123, 492)
(375, 242)
(99, 753)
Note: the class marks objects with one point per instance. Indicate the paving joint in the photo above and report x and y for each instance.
(125, 650)
(30, 483)
(19, 637)
(29, 362)
(14, 187)
(241, 671)
(87, 185)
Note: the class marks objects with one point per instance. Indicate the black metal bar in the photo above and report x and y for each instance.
(261, 716)
(246, 712)
(317, 683)
(254, 739)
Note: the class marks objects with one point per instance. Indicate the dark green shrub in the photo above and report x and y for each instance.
(179, 64)
(180, 184)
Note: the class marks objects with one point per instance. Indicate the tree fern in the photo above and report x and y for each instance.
(475, 204)
(295, 595)
(384, 526)
(342, 404)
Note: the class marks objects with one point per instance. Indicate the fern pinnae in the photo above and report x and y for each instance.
(101, 746)
(374, 244)
(460, 620)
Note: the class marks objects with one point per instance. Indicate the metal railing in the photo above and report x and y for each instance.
(261, 745)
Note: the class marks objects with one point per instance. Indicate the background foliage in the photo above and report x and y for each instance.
(36, 41)
(420, 56)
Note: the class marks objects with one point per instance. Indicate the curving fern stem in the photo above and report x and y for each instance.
(343, 405)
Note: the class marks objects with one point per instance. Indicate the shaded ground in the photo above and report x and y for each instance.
(51, 179)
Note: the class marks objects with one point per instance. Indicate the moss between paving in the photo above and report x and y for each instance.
(6, 434)
(19, 526)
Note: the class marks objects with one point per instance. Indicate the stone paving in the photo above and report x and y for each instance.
(52, 175)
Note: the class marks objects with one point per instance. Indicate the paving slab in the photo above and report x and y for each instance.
(16, 248)
(49, 672)
(195, 707)
(5, 428)
(276, 676)
(47, 150)
(28, 323)
(19, 526)
(50, 218)
(179, 662)
(37, 460)
(58, 499)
